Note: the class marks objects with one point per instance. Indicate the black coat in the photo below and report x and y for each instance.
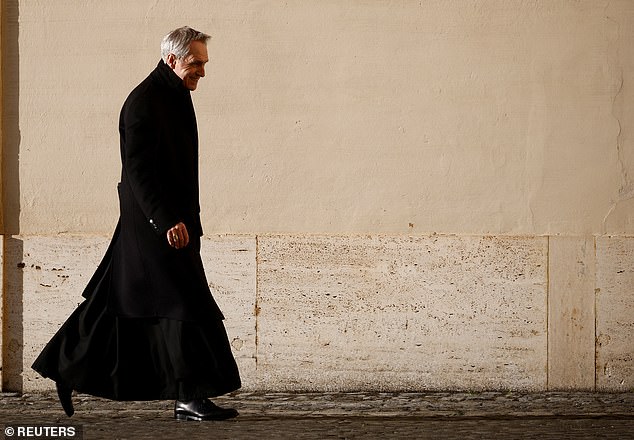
(158, 189)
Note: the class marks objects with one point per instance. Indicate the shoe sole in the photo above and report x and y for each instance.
(191, 418)
(187, 418)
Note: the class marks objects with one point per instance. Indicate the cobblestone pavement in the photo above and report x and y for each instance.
(488, 415)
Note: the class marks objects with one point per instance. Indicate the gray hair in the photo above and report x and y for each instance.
(178, 41)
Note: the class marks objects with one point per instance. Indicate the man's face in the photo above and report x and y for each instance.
(191, 68)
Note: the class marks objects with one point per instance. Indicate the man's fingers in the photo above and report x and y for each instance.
(172, 238)
(177, 237)
(185, 237)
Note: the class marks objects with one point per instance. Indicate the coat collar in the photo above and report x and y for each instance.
(166, 76)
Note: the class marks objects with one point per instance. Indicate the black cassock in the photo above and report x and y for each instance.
(149, 327)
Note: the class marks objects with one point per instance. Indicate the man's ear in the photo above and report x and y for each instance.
(171, 60)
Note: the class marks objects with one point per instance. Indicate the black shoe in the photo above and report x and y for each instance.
(201, 409)
(64, 393)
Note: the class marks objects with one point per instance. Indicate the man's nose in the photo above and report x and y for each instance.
(201, 71)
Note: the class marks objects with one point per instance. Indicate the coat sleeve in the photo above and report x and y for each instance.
(141, 157)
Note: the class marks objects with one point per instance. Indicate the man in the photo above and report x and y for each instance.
(149, 327)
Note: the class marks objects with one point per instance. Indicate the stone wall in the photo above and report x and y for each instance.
(375, 312)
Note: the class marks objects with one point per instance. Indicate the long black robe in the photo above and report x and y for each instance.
(149, 327)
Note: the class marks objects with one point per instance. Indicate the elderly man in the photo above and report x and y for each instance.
(149, 328)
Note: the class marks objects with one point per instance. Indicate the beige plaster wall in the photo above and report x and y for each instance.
(488, 116)
(1, 121)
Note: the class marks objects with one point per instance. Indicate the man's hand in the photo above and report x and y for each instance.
(177, 236)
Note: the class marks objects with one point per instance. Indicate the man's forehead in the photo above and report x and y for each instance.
(198, 51)
(194, 57)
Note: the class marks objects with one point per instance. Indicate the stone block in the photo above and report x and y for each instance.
(12, 316)
(51, 274)
(1, 304)
(571, 317)
(230, 267)
(401, 313)
(615, 314)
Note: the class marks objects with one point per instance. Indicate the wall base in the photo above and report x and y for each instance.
(390, 313)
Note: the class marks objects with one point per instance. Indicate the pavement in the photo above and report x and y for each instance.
(363, 415)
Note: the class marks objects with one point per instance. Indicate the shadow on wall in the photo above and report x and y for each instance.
(13, 284)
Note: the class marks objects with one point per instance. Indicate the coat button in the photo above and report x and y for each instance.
(153, 224)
